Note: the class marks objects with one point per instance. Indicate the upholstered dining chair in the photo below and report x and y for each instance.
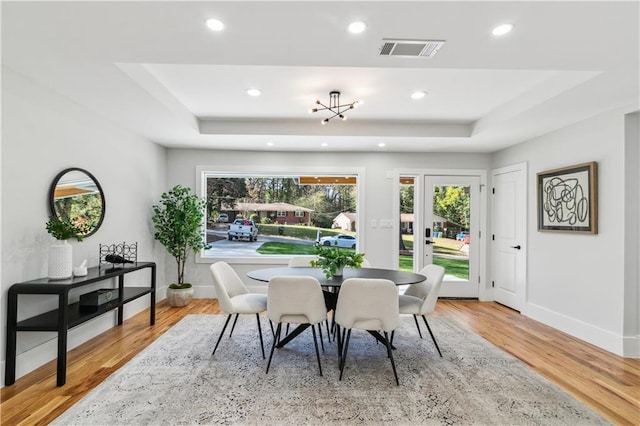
(305, 261)
(235, 298)
(302, 261)
(367, 304)
(420, 299)
(298, 300)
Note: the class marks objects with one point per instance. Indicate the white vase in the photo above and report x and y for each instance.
(60, 260)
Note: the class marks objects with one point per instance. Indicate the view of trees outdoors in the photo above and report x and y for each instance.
(291, 212)
(451, 210)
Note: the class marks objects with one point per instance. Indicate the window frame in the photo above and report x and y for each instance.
(204, 171)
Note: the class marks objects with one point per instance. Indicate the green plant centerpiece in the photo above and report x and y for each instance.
(332, 260)
(64, 229)
(178, 219)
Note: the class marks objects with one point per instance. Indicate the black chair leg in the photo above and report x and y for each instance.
(234, 325)
(320, 334)
(273, 333)
(328, 330)
(344, 356)
(260, 333)
(336, 338)
(221, 334)
(276, 339)
(432, 336)
(415, 318)
(390, 352)
(315, 343)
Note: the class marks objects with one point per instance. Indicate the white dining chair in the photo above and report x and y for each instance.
(367, 304)
(235, 298)
(302, 261)
(298, 300)
(420, 299)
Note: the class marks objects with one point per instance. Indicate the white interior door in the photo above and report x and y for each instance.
(509, 245)
(451, 209)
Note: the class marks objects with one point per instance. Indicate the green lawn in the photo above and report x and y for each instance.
(457, 267)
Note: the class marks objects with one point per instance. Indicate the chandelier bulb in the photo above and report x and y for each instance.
(325, 121)
(313, 110)
(342, 117)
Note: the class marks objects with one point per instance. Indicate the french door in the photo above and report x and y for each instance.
(452, 232)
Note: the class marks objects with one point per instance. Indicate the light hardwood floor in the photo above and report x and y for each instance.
(607, 383)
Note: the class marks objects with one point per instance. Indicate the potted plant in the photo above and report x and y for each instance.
(178, 226)
(61, 252)
(332, 260)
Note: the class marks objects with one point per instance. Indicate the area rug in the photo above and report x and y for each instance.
(176, 381)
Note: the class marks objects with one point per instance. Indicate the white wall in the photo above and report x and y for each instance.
(576, 283)
(42, 134)
(378, 190)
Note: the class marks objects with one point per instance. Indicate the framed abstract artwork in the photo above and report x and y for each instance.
(568, 199)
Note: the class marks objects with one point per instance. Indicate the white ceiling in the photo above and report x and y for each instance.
(157, 70)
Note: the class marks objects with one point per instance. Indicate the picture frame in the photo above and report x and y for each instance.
(568, 199)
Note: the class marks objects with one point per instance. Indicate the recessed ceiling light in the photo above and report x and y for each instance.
(269, 143)
(215, 24)
(357, 27)
(418, 95)
(502, 29)
(381, 144)
(253, 92)
(325, 144)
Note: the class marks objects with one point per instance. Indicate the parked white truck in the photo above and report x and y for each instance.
(243, 228)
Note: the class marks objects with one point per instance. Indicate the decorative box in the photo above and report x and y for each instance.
(99, 297)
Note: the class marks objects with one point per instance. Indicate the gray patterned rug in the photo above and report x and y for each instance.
(176, 381)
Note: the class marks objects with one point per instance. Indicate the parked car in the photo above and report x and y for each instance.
(341, 240)
(460, 236)
(243, 228)
(223, 218)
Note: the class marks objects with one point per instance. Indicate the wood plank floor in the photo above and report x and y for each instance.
(607, 383)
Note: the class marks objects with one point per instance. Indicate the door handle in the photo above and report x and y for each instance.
(429, 242)
(516, 247)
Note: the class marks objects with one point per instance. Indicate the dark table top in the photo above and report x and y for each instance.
(398, 277)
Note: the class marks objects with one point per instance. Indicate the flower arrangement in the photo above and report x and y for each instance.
(64, 229)
(333, 259)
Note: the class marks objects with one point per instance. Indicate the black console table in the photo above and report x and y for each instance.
(69, 315)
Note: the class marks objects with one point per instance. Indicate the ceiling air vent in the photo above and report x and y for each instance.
(415, 48)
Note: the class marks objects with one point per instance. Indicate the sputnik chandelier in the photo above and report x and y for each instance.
(334, 107)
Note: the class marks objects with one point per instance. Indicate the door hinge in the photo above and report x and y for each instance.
(479, 234)
(478, 279)
(493, 237)
(493, 190)
(493, 283)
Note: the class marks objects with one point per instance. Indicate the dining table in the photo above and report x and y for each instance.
(333, 284)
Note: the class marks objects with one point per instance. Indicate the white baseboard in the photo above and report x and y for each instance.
(615, 343)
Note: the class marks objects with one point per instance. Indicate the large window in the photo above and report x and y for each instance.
(292, 212)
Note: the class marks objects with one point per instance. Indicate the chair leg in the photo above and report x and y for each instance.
(393, 333)
(415, 318)
(260, 333)
(328, 330)
(390, 352)
(221, 334)
(432, 336)
(344, 356)
(315, 343)
(273, 333)
(320, 334)
(336, 338)
(276, 339)
(234, 325)
(286, 333)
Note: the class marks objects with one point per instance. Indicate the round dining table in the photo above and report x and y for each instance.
(398, 277)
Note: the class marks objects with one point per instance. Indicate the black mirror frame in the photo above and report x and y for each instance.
(52, 190)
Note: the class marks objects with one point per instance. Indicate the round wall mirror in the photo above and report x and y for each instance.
(77, 196)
